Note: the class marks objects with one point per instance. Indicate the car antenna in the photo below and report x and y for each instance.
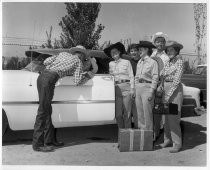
(31, 53)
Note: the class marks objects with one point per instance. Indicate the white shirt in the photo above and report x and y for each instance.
(122, 70)
(147, 69)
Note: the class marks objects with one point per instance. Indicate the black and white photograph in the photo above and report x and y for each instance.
(104, 84)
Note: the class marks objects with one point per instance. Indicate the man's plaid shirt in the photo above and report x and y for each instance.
(67, 64)
(173, 72)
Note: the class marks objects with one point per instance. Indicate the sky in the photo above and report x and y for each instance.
(27, 21)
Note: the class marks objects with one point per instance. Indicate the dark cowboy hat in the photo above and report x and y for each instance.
(146, 44)
(174, 44)
(119, 46)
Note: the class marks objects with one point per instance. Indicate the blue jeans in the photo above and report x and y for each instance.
(43, 127)
(172, 129)
(123, 105)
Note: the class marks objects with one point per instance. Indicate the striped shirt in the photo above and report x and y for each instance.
(122, 70)
(147, 69)
(67, 64)
(173, 72)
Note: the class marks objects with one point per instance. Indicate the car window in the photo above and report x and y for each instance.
(36, 65)
(200, 71)
(103, 65)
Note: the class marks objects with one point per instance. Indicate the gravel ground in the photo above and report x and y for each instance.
(97, 146)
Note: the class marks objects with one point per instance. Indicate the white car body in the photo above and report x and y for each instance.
(89, 104)
(192, 92)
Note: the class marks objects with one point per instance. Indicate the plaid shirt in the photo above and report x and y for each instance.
(67, 64)
(173, 72)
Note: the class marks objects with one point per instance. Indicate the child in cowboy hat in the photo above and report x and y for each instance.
(159, 40)
(124, 83)
(146, 80)
(173, 93)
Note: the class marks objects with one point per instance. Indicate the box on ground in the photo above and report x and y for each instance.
(135, 140)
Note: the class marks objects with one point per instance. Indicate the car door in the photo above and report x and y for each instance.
(90, 104)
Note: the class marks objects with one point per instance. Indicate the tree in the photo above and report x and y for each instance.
(49, 36)
(200, 16)
(79, 26)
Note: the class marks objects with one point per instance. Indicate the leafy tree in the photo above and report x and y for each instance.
(200, 16)
(49, 35)
(188, 69)
(14, 63)
(79, 26)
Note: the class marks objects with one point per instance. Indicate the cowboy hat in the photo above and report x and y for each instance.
(173, 44)
(79, 48)
(159, 34)
(119, 46)
(146, 44)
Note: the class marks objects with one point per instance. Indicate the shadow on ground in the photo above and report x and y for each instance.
(70, 136)
(193, 135)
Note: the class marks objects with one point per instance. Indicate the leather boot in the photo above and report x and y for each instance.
(176, 148)
(166, 143)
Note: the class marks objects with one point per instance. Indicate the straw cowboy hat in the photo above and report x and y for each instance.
(159, 34)
(119, 46)
(146, 44)
(79, 48)
(173, 44)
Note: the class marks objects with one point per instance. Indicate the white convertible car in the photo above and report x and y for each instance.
(90, 104)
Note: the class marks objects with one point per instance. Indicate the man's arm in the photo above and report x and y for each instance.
(49, 60)
(155, 76)
(90, 74)
(79, 76)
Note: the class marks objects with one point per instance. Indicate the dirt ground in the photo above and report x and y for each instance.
(97, 146)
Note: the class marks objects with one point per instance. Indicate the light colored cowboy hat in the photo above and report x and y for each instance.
(119, 46)
(173, 44)
(79, 48)
(159, 34)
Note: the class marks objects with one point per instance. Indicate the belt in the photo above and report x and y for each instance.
(168, 80)
(121, 81)
(49, 71)
(144, 81)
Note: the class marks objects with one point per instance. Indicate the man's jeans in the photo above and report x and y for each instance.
(43, 127)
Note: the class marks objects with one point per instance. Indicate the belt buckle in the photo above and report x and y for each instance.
(119, 81)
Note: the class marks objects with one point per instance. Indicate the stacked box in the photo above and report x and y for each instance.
(135, 140)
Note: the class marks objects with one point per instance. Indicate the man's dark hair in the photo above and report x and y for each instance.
(132, 46)
(150, 51)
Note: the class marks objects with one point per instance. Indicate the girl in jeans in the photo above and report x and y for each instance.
(173, 93)
(124, 84)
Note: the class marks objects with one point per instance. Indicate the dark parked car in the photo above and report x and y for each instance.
(198, 79)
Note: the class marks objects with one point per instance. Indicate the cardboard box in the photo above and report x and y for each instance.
(135, 140)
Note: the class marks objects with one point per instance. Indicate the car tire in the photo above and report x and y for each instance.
(5, 123)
